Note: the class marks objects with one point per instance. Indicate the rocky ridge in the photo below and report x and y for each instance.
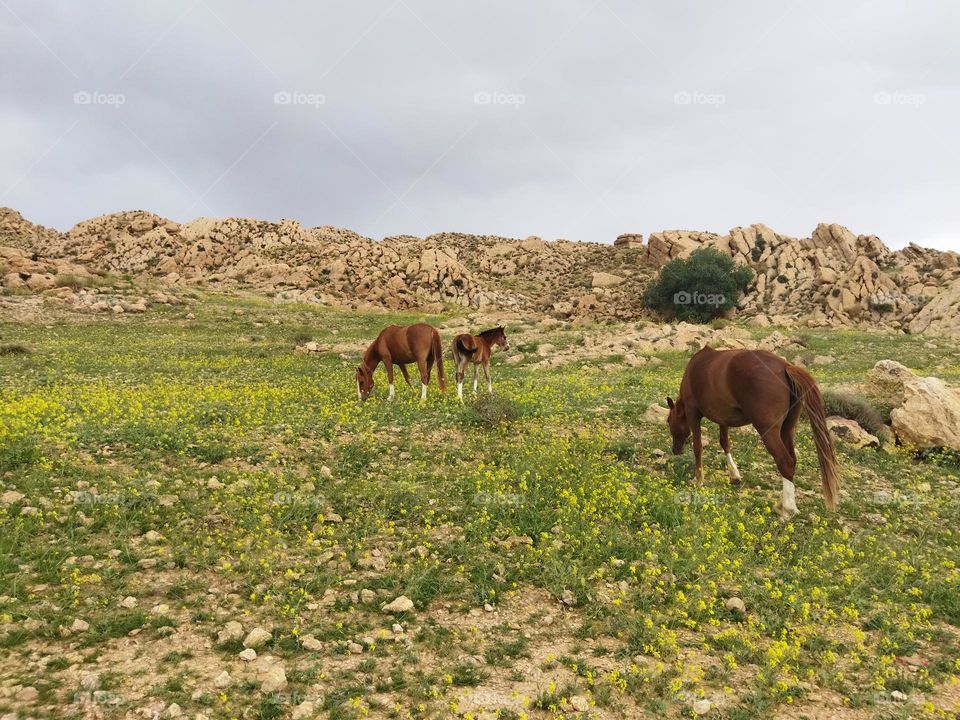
(831, 278)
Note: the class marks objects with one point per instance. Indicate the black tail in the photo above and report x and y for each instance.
(463, 349)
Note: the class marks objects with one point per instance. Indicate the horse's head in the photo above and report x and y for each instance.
(364, 382)
(500, 338)
(679, 427)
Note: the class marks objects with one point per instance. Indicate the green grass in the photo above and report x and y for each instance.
(242, 454)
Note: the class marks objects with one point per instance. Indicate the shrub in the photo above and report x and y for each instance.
(854, 407)
(698, 288)
(491, 410)
(14, 349)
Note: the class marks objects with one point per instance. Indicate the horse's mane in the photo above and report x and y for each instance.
(492, 331)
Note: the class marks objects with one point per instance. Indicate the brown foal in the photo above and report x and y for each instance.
(740, 387)
(476, 349)
(399, 345)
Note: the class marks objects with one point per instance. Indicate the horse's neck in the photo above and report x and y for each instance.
(371, 357)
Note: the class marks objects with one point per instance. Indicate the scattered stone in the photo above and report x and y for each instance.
(257, 638)
(249, 655)
(230, 632)
(401, 604)
(702, 707)
(79, 626)
(736, 605)
(223, 680)
(580, 703)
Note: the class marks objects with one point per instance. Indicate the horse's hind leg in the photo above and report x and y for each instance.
(732, 468)
(461, 365)
(787, 466)
(424, 377)
(406, 375)
(476, 376)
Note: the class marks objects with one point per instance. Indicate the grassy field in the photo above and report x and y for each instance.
(164, 476)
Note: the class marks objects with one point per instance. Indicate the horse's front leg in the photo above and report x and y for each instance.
(476, 376)
(388, 366)
(697, 451)
(486, 374)
(732, 468)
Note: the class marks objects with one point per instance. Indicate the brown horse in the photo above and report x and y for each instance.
(476, 349)
(399, 345)
(739, 387)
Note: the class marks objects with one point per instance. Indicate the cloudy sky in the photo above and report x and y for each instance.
(577, 119)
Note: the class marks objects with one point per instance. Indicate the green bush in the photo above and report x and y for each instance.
(854, 407)
(699, 288)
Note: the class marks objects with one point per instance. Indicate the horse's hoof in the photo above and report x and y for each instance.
(785, 514)
(736, 480)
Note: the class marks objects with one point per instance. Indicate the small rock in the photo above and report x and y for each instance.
(309, 642)
(579, 703)
(354, 648)
(274, 679)
(399, 605)
(898, 696)
(736, 605)
(257, 638)
(231, 631)
(568, 598)
(174, 711)
(249, 655)
(702, 707)
(223, 680)
(79, 626)
(128, 602)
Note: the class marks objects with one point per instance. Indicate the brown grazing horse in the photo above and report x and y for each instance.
(477, 349)
(399, 345)
(739, 387)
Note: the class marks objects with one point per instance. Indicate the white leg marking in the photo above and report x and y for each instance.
(393, 392)
(359, 396)
(460, 391)
(698, 476)
(423, 391)
(475, 378)
(489, 387)
(787, 507)
(732, 467)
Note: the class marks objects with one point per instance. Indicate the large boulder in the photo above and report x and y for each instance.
(926, 411)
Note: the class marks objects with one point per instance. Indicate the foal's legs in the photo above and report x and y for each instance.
(476, 375)
(486, 374)
(461, 364)
(787, 466)
(731, 465)
(697, 450)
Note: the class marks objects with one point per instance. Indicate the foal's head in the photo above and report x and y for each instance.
(364, 382)
(496, 336)
(679, 427)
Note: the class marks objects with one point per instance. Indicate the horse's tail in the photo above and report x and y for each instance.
(808, 394)
(437, 349)
(460, 347)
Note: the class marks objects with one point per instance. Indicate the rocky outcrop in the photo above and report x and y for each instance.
(832, 277)
(926, 411)
(24, 271)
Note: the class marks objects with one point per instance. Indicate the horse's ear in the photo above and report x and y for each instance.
(670, 403)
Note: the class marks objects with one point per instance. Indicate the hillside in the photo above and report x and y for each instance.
(832, 278)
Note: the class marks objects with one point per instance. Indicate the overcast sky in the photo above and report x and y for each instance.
(578, 119)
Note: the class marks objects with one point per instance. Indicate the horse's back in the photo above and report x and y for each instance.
(734, 386)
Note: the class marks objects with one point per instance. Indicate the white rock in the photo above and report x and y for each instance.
(257, 638)
(248, 655)
(399, 605)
